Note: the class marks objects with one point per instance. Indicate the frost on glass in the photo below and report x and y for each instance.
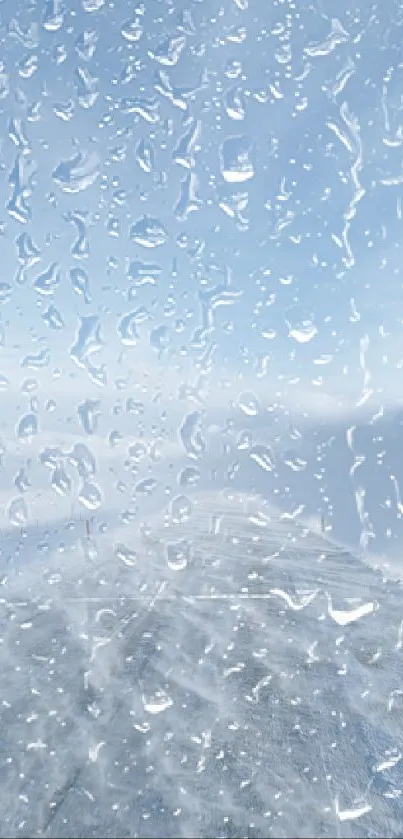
(200, 443)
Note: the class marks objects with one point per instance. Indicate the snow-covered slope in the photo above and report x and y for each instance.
(219, 671)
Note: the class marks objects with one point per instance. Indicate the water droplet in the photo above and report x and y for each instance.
(77, 173)
(47, 282)
(236, 163)
(92, 5)
(248, 404)
(5, 292)
(160, 338)
(80, 248)
(178, 555)
(337, 36)
(22, 481)
(90, 496)
(50, 457)
(87, 87)
(89, 413)
(88, 341)
(125, 555)
(144, 273)
(53, 16)
(157, 703)
(183, 153)
(61, 482)
(28, 253)
(149, 233)
(190, 476)
(146, 486)
(27, 427)
(18, 512)
(82, 458)
(86, 44)
(191, 436)
(145, 156)
(263, 456)
(181, 509)
(53, 318)
(235, 104)
(37, 361)
(132, 31)
(244, 441)
(169, 51)
(304, 333)
(127, 330)
(80, 283)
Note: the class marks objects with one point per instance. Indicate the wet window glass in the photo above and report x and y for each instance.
(201, 311)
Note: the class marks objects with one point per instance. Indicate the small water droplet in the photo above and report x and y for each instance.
(248, 404)
(18, 512)
(125, 555)
(157, 702)
(181, 508)
(90, 496)
(178, 555)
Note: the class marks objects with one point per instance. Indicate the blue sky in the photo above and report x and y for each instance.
(260, 152)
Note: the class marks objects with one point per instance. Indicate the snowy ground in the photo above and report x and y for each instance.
(224, 672)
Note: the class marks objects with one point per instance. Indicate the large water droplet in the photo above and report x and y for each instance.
(149, 233)
(78, 172)
(27, 427)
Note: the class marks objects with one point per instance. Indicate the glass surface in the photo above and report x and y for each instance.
(201, 313)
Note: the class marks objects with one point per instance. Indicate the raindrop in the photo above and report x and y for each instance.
(236, 163)
(248, 404)
(77, 173)
(61, 481)
(18, 512)
(90, 496)
(127, 330)
(181, 509)
(157, 703)
(178, 555)
(89, 413)
(47, 282)
(27, 427)
(80, 283)
(145, 156)
(191, 436)
(263, 456)
(148, 232)
(125, 555)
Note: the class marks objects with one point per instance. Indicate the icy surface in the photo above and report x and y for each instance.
(256, 691)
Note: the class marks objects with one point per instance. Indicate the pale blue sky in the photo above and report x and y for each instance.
(113, 112)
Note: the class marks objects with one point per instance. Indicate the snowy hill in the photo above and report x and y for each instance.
(219, 671)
